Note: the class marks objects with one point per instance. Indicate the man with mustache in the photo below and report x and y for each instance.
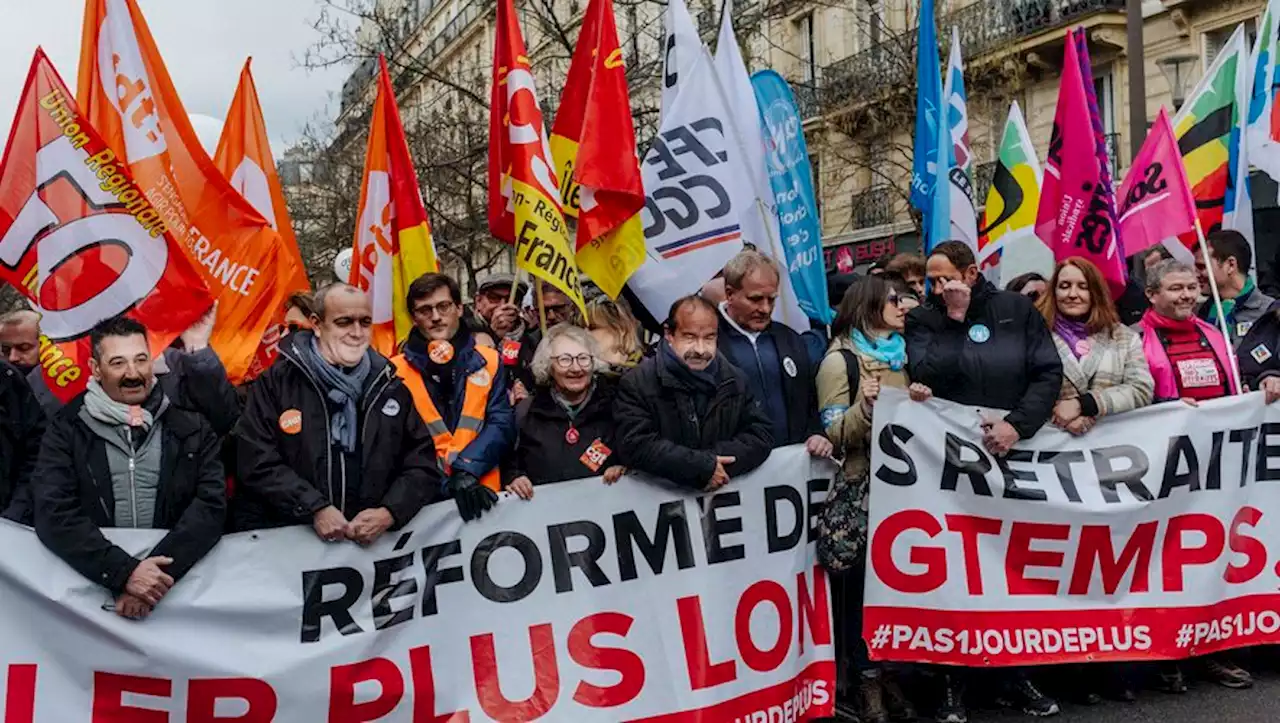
(772, 356)
(687, 414)
(460, 390)
(329, 436)
(189, 372)
(122, 455)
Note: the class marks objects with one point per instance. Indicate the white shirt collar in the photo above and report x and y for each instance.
(724, 311)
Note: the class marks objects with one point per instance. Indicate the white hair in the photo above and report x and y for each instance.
(542, 357)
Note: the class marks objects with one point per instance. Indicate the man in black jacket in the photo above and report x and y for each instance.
(329, 436)
(687, 414)
(121, 455)
(22, 425)
(771, 356)
(974, 344)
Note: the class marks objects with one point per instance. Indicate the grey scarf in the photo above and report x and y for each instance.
(343, 387)
(110, 412)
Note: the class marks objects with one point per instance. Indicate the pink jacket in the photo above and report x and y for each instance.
(1162, 369)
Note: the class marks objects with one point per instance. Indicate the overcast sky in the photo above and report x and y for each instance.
(204, 44)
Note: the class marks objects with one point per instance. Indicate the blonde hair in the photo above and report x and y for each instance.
(616, 318)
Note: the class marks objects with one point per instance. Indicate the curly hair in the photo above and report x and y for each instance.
(541, 364)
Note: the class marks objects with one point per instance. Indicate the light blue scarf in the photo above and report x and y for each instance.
(891, 350)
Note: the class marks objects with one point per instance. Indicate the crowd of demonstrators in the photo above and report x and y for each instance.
(123, 455)
(567, 428)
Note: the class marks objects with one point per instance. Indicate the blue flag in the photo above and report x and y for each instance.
(924, 169)
(790, 175)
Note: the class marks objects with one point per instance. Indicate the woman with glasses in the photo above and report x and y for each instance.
(566, 425)
(867, 352)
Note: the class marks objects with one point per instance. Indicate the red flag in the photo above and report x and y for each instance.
(126, 93)
(524, 199)
(80, 239)
(393, 243)
(244, 158)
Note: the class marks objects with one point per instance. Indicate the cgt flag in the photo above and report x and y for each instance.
(392, 245)
(594, 144)
(80, 239)
(1076, 217)
(1155, 198)
(126, 93)
(524, 199)
(244, 158)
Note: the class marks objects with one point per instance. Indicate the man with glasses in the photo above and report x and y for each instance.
(460, 391)
(329, 436)
(772, 357)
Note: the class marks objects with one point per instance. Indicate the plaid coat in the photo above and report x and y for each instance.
(1114, 371)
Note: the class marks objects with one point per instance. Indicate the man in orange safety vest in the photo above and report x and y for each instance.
(460, 391)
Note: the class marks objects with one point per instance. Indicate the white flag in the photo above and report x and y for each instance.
(964, 216)
(681, 49)
(697, 194)
(761, 227)
(1263, 152)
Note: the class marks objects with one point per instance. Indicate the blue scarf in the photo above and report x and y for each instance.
(344, 388)
(891, 350)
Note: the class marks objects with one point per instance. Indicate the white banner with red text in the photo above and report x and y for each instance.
(1150, 537)
(631, 602)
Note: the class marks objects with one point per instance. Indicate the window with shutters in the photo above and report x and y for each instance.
(805, 49)
(1213, 40)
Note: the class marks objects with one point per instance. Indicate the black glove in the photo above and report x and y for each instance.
(472, 497)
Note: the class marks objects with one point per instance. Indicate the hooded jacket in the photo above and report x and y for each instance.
(662, 431)
(75, 496)
(1001, 356)
(288, 468)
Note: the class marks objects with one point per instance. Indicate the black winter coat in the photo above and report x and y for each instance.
(660, 432)
(800, 390)
(1016, 369)
(75, 499)
(22, 424)
(1259, 350)
(285, 478)
(544, 455)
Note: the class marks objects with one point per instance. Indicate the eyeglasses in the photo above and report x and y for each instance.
(558, 310)
(566, 361)
(444, 308)
(895, 299)
(1033, 295)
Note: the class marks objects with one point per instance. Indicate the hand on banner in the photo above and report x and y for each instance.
(521, 487)
(132, 608)
(1080, 425)
(614, 473)
(870, 392)
(518, 393)
(1066, 411)
(472, 498)
(369, 525)
(505, 319)
(819, 446)
(196, 338)
(919, 392)
(719, 478)
(148, 582)
(1271, 389)
(956, 295)
(330, 524)
(998, 436)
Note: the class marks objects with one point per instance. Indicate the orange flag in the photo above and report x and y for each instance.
(79, 238)
(126, 93)
(594, 141)
(524, 199)
(244, 158)
(393, 243)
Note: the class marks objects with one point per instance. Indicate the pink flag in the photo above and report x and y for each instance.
(1155, 198)
(1076, 216)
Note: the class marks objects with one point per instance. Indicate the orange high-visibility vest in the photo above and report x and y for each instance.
(449, 444)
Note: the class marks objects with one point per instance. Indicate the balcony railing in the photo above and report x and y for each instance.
(984, 26)
(873, 207)
(807, 101)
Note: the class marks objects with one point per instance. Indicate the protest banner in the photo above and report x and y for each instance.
(80, 239)
(126, 93)
(392, 245)
(633, 602)
(1144, 539)
(244, 158)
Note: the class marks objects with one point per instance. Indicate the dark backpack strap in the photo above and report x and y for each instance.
(853, 369)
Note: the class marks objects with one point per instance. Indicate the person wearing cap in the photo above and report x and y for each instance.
(460, 391)
(496, 315)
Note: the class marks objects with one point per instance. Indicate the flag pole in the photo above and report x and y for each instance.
(1217, 305)
(542, 310)
(515, 285)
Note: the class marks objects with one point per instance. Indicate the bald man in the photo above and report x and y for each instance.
(20, 339)
(330, 437)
